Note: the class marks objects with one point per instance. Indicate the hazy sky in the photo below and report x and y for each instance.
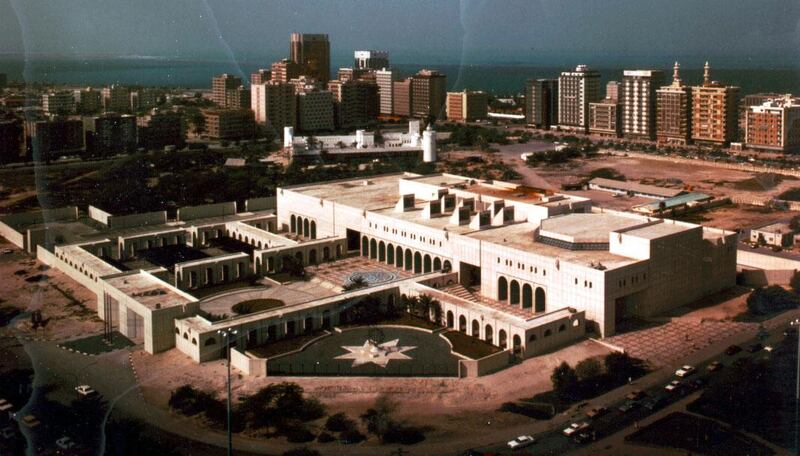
(467, 31)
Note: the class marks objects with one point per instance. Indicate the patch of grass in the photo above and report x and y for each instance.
(285, 345)
(697, 435)
(469, 346)
(256, 305)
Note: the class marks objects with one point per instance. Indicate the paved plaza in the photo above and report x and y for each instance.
(666, 343)
(291, 294)
(339, 272)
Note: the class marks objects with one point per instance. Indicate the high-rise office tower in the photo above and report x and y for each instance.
(49, 139)
(143, 99)
(358, 105)
(313, 53)
(274, 104)
(576, 89)
(612, 90)
(774, 125)
(58, 103)
(110, 134)
(229, 123)
(87, 101)
(228, 92)
(116, 99)
(467, 106)
(639, 102)
(370, 60)
(315, 111)
(715, 111)
(384, 79)
(160, 129)
(541, 102)
(428, 94)
(284, 71)
(674, 111)
(401, 97)
(261, 76)
(11, 140)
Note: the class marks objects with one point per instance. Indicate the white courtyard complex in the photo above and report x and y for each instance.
(520, 268)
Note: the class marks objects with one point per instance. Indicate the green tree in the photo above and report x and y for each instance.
(564, 380)
(588, 369)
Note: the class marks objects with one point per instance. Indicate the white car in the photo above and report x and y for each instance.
(574, 428)
(685, 371)
(673, 385)
(65, 443)
(85, 390)
(521, 442)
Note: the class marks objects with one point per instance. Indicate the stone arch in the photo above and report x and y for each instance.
(373, 249)
(292, 224)
(226, 273)
(312, 256)
(426, 265)
(462, 324)
(364, 246)
(517, 343)
(527, 296)
(514, 296)
(381, 251)
(476, 329)
(487, 334)
(313, 229)
(306, 228)
(326, 253)
(390, 254)
(450, 322)
(399, 257)
(417, 262)
(408, 260)
(502, 289)
(447, 267)
(209, 276)
(541, 299)
(338, 250)
(299, 256)
(437, 264)
(502, 339)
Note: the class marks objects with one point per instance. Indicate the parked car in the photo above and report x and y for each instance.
(582, 437)
(628, 406)
(5, 406)
(30, 421)
(85, 390)
(732, 350)
(685, 371)
(65, 443)
(635, 395)
(574, 428)
(697, 383)
(521, 442)
(791, 331)
(673, 385)
(756, 347)
(7, 433)
(655, 402)
(714, 366)
(596, 412)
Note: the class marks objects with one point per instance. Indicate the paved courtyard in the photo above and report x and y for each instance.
(291, 294)
(339, 272)
(663, 344)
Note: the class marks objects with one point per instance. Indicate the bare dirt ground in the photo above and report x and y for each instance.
(28, 285)
(461, 406)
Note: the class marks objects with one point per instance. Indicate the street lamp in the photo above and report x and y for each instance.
(796, 322)
(228, 334)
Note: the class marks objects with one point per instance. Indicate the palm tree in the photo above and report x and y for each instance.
(427, 306)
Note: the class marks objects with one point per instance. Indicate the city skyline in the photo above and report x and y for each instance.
(469, 32)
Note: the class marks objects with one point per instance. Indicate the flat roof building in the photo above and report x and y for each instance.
(605, 118)
(715, 111)
(313, 53)
(576, 89)
(229, 123)
(541, 102)
(283, 71)
(402, 95)
(274, 104)
(467, 106)
(370, 60)
(58, 103)
(315, 111)
(428, 94)
(774, 125)
(638, 98)
(674, 111)
(116, 99)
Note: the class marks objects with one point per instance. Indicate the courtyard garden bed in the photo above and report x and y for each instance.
(401, 319)
(469, 346)
(286, 345)
(256, 305)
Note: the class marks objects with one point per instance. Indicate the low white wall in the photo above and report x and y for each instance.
(261, 204)
(143, 219)
(759, 260)
(248, 365)
(48, 258)
(484, 366)
(13, 236)
(207, 210)
(99, 215)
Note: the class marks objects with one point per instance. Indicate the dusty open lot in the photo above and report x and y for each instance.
(28, 285)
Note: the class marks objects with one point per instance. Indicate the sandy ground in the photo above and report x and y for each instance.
(69, 307)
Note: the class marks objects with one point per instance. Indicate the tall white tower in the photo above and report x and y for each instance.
(288, 137)
(429, 145)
